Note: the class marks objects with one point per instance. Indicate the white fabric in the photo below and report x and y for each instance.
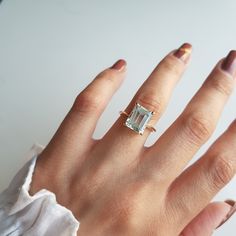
(37, 215)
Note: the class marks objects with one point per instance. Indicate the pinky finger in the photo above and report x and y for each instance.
(207, 220)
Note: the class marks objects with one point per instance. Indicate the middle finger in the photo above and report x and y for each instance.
(154, 95)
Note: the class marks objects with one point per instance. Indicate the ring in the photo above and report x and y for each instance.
(138, 119)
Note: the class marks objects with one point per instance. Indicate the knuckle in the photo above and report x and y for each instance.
(86, 102)
(221, 171)
(222, 85)
(172, 65)
(106, 74)
(152, 103)
(198, 128)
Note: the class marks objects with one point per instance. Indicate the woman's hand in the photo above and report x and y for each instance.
(116, 185)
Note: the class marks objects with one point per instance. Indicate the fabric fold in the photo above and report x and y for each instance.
(37, 215)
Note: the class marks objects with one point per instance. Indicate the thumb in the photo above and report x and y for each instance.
(208, 219)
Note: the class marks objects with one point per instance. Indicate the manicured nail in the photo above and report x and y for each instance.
(184, 52)
(229, 63)
(230, 202)
(119, 65)
(232, 210)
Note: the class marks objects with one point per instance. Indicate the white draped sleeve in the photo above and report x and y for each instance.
(37, 215)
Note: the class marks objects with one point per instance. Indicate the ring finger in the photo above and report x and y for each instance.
(153, 95)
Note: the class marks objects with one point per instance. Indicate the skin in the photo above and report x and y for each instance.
(117, 185)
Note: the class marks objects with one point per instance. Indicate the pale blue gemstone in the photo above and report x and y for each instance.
(138, 118)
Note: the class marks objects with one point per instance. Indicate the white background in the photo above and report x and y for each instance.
(51, 49)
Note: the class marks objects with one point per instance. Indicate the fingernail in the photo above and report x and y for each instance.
(119, 65)
(184, 52)
(232, 210)
(229, 63)
(230, 202)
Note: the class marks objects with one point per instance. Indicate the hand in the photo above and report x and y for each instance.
(116, 185)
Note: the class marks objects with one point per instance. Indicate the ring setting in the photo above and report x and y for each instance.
(138, 119)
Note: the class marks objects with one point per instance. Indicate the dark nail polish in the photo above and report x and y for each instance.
(229, 63)
(119, 65)
(184, 52)
(230, 202)
(231, 212)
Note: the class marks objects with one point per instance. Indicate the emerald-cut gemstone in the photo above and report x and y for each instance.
(138, 118)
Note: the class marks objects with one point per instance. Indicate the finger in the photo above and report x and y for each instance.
(232, 211)
(199, 183)
(196, 124)
(154, 95)
(207, 220)
(75, 133)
